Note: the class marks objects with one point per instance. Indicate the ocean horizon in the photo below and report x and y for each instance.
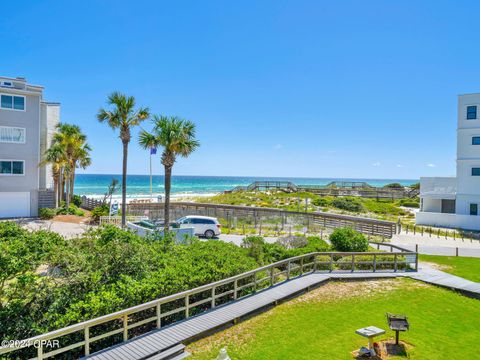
(138, 186)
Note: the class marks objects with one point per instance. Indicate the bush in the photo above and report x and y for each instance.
(347, 239)
(102, 210)
(395, 186)
(255, 248)
(46, 213)
(321, 202)
(77, 200)
(72, 210)
(348, 204)
(413, 203)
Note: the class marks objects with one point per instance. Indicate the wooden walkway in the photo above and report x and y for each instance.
(159, 340)
(436, 277)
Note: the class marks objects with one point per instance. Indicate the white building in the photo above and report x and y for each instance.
(27, 123)
(454, 201)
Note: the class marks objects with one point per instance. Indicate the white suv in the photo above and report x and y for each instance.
(203, 225)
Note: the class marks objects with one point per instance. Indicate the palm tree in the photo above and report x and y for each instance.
(55, 156)
(76, 153)
(177, 137)
(124, 117)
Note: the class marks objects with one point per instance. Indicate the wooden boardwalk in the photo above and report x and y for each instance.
(436, 277)
(159, 340)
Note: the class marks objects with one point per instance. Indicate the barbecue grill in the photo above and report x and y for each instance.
(397, 323)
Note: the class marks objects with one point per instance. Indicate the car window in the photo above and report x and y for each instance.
(197, 221)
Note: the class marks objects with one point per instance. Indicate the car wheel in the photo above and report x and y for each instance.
(209, 234)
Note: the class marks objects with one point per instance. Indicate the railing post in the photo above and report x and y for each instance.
(288, 270)
(187, 306)
(87, 341)
(271, 276)
(353, 263)
(374, 262)
(40, 351)
(301, 266)
(159, 316)
(331, 262)
(395, 262)
(314, 263)
(255, 281)
(235, 291)
(213, 297)
(125, 327)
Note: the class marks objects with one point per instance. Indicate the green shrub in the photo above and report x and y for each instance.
(77, 200)
(254, 246)
(321, 201)
(386, 207)
(72, 210)
(413, 203)
(395, 186)
(102, 210)
(46, 213)
(348, 204)
(347, 239)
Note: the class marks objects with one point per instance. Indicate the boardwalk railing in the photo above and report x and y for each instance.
(257, 215)
(117, 220)
(170, 309)
(90, 204)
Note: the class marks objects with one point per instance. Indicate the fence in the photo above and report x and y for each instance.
(183, 305)
(117, 220)
(90, 204)
(462, 235)
(263, 217)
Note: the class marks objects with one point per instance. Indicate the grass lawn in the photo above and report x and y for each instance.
(321, 324)
(466, 267)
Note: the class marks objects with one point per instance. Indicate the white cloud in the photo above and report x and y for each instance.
(376, 164)
(431, 165)
(278, 147)
(399, 165)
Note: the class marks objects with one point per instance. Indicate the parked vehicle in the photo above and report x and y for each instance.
(203, 225)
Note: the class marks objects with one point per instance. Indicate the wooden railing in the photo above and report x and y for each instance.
(203, 298)
(90, 204)
(255, 214)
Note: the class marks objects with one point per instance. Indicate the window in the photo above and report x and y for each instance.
(7, 84)
(12, 167)
(475, 171)
(12, 102)
(471, 112)
(476, 140)
(473, 209)
(12, 135)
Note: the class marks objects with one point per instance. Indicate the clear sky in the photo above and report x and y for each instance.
(277, 88)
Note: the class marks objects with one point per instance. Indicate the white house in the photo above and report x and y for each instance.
(27, 123)
(454, 201)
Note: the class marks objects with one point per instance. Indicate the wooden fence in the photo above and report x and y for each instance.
(261, 216)
(90, 204)
(176, 307)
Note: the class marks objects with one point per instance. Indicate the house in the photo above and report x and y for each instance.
(454, 201)
(27, 123)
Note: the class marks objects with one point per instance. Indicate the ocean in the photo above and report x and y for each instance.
(138, 186)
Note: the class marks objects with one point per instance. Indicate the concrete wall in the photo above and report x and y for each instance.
(432, 205)
(454, 221)
(439, 187)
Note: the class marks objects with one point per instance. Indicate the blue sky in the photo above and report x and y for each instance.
(277, 88)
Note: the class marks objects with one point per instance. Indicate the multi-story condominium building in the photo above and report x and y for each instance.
(27, 123)
(454, 201)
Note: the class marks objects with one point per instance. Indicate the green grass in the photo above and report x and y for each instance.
(466, 267)
(322, 324)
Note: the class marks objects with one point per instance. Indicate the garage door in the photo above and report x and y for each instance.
(14, 204)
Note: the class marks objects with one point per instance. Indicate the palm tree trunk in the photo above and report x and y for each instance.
(60, 188)
(72, 183)
(168, 180)
(124, 183)
(67, 189)
(55, 190)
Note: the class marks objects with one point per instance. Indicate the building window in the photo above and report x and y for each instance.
(476, 140)
(473, 209)
(475, 171)
(12, 102)
(12, 135)
(471, 112)
(12, 167)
